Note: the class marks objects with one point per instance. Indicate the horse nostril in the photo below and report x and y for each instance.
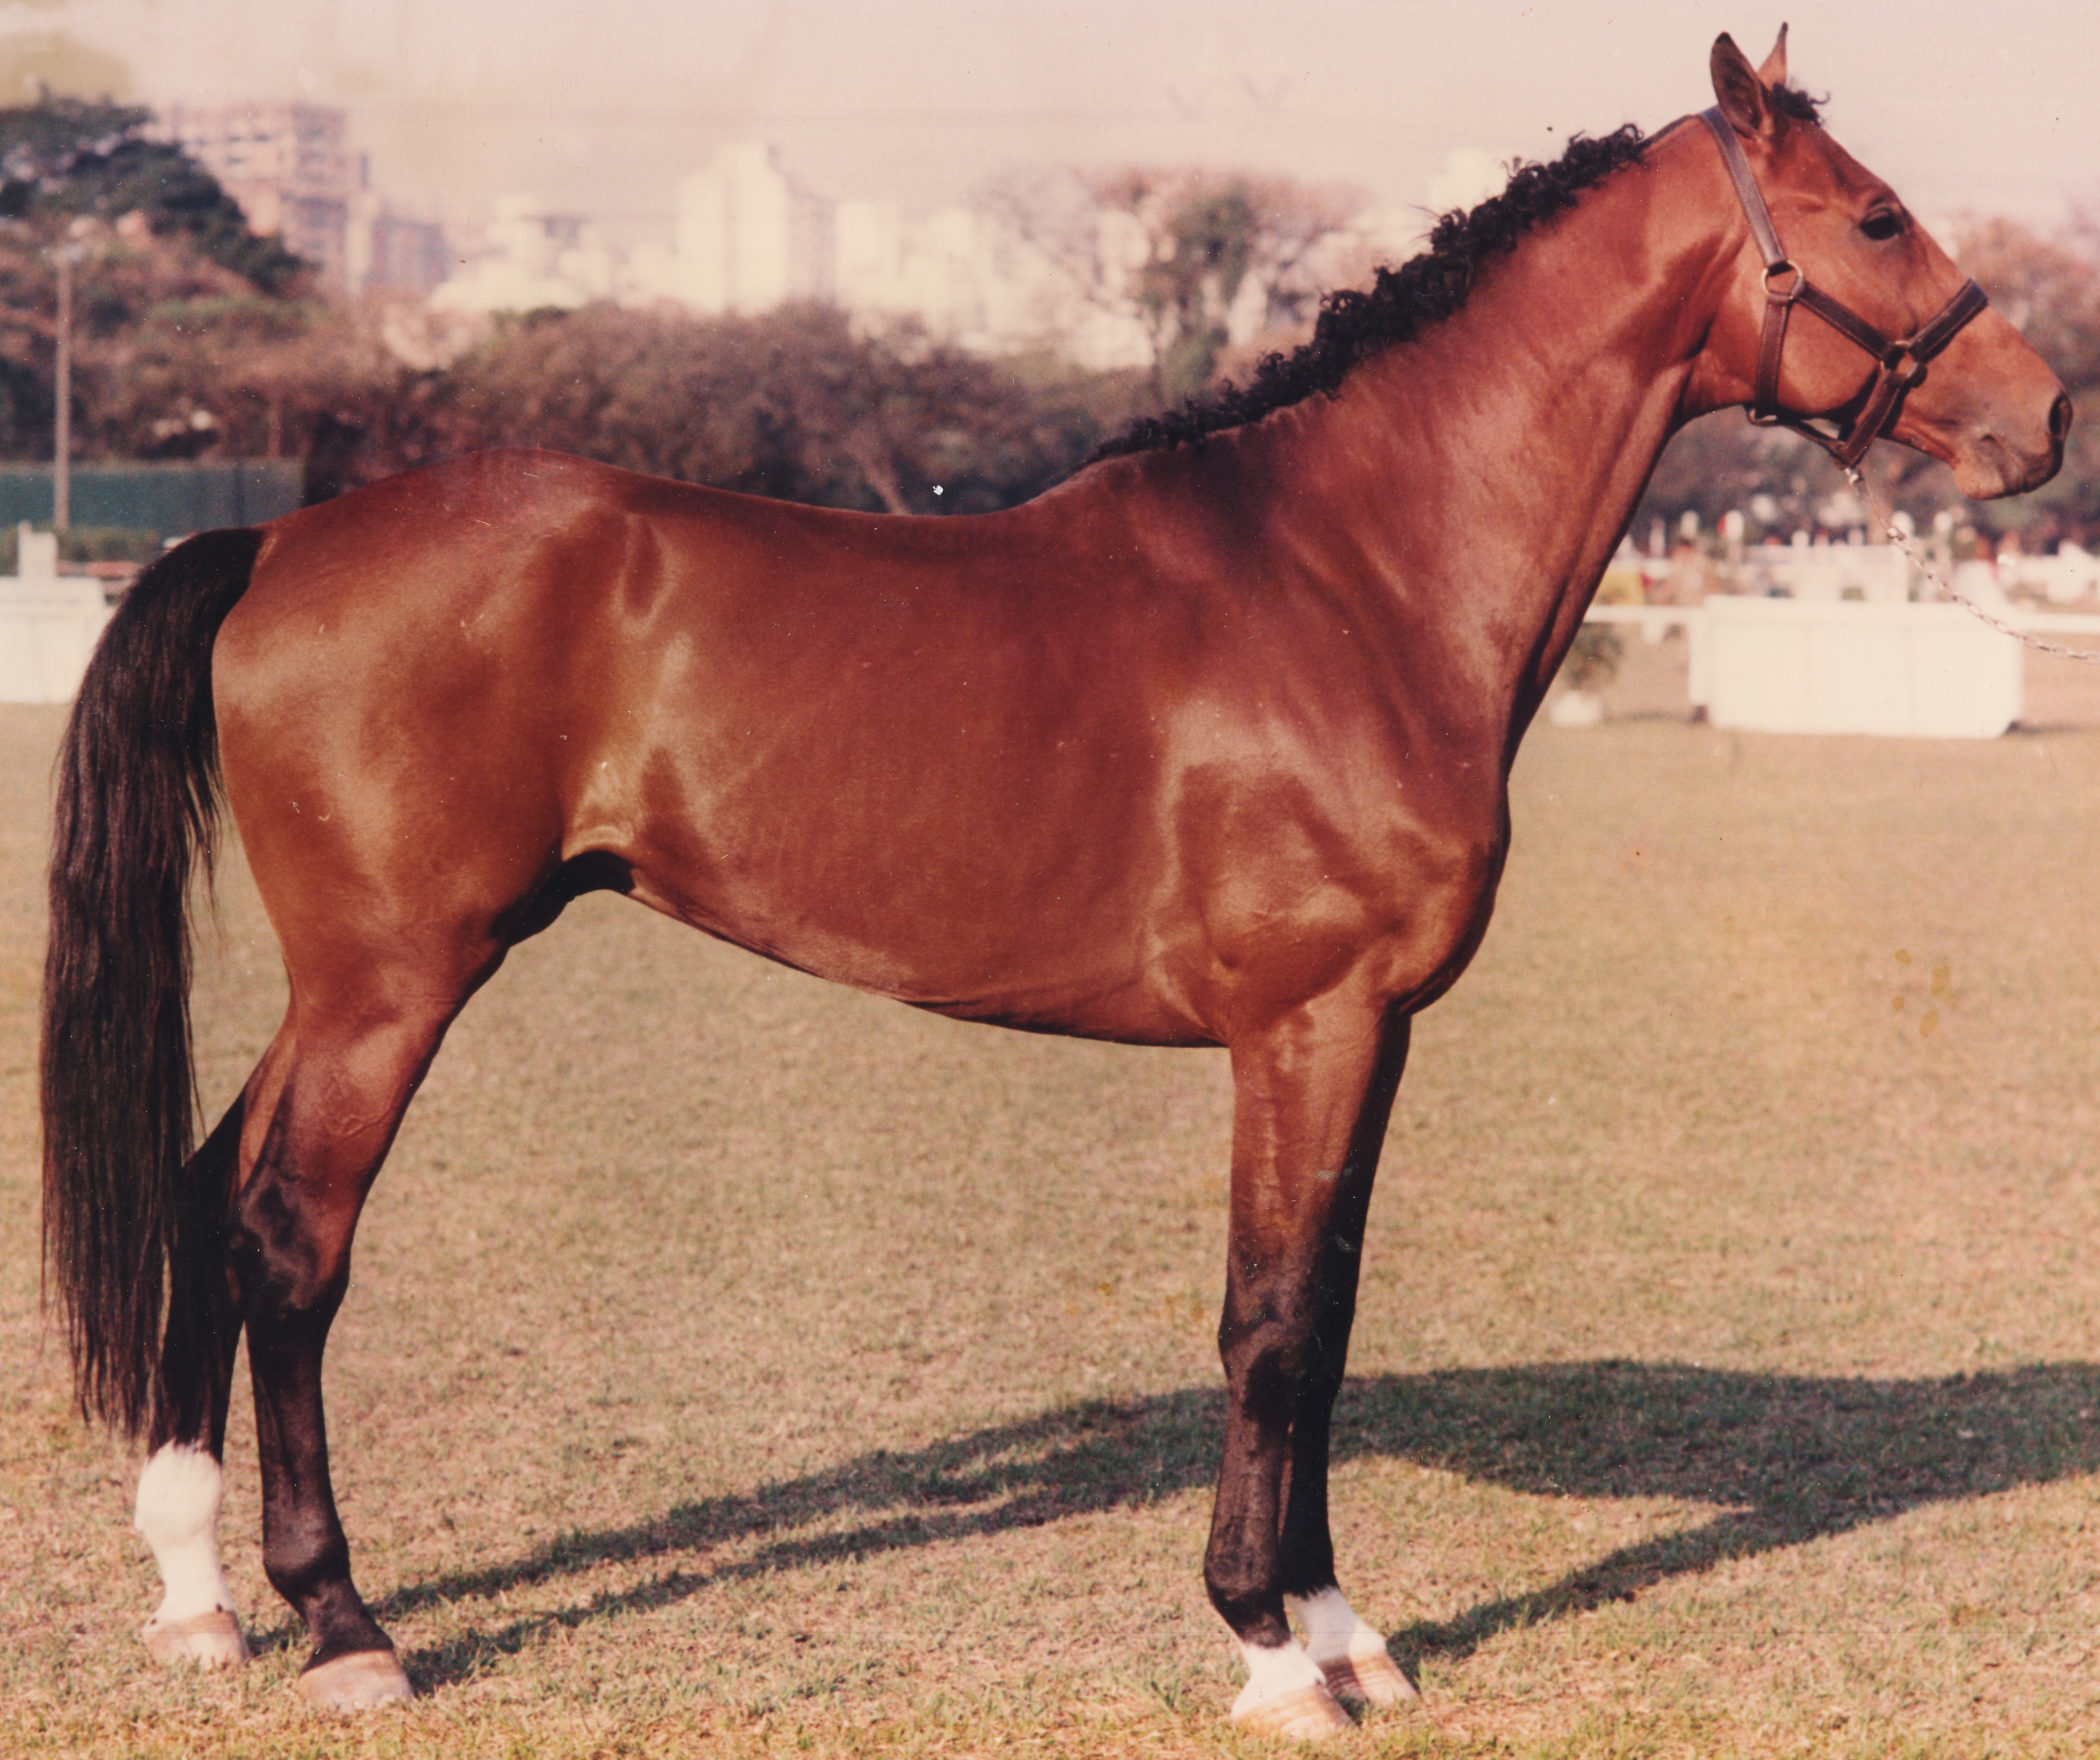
(2059, 418)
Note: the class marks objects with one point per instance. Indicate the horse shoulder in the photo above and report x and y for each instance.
(1298, 869)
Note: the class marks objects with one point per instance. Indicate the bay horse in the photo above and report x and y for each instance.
(1207, 745)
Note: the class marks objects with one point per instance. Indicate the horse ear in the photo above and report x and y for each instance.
(1773, 72)
(1742, 94)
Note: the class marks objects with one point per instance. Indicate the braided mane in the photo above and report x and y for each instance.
(1354, 325)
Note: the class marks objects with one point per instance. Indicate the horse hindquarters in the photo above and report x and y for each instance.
(1313, 1095)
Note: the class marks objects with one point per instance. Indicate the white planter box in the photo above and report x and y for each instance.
(1797, 667)
(48, 630)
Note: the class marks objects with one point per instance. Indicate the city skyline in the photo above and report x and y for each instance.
(603, 110)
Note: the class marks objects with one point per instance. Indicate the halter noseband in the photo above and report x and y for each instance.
(1902, 359)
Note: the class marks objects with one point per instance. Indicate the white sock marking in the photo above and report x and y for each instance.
(1273, 1673)
(1332, 1629)
(178, 1512)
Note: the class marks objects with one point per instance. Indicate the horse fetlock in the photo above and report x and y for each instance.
(339, 1621)
(1333, 1628)
(177, 1512)
(1246, 1598)
(309, 1568)
(180, 1489)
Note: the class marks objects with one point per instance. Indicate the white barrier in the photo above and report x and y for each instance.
(1785, 666)
(1796, 666)
(48, 628)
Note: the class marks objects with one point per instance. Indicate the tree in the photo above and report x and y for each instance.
(227, 371)
(174, 354)
(792, 404)
(190, 335)
(2048, 288)
(69, 158)
(1198, 259)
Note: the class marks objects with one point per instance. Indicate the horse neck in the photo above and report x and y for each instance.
(1476, 480)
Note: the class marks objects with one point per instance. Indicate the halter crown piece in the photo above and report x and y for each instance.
(1902, 359)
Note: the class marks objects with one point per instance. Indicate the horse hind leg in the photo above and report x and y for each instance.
(334, 1086)
(180, 1486)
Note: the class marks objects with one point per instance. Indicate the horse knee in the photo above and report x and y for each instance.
(1266, 1355)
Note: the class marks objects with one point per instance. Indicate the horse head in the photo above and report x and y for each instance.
(1905, 347)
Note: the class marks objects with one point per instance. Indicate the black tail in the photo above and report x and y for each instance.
(138, 803)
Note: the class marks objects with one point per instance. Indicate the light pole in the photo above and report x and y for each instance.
(62, 447)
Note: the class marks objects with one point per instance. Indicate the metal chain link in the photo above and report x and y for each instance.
(1895, 536)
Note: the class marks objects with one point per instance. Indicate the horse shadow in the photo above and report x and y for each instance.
(1788, 1459)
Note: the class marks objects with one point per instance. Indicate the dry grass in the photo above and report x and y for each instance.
(733, 1362)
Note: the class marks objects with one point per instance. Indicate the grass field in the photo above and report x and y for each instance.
(737, 1364)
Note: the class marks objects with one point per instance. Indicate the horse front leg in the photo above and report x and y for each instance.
(1312, 1097)
(180, 1486)
(1351, 1652)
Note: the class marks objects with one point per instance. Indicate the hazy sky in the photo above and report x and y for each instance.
(600, 105)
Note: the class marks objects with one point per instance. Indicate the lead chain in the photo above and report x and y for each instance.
(1896, 535)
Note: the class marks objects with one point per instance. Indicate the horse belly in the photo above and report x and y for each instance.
(1014, 893)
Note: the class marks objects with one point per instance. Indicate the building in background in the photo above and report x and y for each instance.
(290, 167)
(534, 259)
(409, 259)
(748, 238)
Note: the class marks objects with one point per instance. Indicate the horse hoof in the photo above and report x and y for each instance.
(362, 1680)
(1305, 1713)
(1374, 1680)
(211, 1640)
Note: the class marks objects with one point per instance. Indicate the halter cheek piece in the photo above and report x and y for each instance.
(1902, 360)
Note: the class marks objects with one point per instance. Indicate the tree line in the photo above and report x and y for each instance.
(194, 338)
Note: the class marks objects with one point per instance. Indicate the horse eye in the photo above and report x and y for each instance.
(1882, 224)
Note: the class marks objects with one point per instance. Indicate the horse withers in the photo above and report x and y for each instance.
(1209, 745)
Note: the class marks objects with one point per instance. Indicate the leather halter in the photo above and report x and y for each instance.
(1902, 359)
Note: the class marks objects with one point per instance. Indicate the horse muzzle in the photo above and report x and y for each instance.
(1997, 457)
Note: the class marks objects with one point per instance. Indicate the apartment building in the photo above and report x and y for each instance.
(290, 167)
